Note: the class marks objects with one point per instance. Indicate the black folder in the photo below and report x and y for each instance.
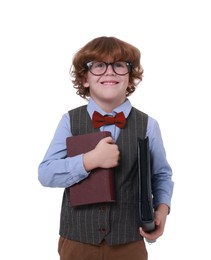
(146, 211)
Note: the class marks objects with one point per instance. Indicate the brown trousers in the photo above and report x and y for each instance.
(73, 250)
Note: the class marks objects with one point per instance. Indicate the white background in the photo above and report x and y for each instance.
(38, 40)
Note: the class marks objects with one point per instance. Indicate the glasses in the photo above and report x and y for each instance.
(99, 68)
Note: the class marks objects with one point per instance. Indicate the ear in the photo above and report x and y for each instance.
(129, 85)
(86, 84)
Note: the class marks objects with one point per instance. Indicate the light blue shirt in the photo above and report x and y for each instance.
(57, 170)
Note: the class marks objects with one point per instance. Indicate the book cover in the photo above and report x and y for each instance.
(98, 187)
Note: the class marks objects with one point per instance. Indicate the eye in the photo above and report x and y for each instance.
(119, 64)
(98, 65)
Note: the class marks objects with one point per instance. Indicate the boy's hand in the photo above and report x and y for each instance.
(160, 220)
(105, 155)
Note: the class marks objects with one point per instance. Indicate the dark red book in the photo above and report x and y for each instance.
(98, 187)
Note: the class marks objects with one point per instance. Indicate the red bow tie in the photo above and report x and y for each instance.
(99, 120)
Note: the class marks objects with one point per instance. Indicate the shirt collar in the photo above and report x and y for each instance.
(124, 107)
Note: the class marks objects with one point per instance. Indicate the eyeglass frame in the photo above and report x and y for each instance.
(128, 63)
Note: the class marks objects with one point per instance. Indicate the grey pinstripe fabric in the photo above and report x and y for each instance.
(117, 222)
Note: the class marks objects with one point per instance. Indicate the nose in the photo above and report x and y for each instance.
(110, 69)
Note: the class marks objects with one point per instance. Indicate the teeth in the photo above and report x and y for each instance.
(109, 83)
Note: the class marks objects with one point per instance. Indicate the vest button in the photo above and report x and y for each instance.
(102, 229)
(103, 208)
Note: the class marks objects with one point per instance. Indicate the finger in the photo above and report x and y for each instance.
(148, 236)
(109, 140)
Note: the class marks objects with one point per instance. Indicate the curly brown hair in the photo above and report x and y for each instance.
(101, 49)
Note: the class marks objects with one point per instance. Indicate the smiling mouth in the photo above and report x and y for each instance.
(109, 83)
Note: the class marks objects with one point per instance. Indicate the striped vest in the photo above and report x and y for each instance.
(118, 222)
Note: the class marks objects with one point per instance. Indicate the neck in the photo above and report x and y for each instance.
(108, 106)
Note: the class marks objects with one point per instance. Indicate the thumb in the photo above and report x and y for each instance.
(108, 140)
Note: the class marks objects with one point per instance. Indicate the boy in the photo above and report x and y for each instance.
(106, 71)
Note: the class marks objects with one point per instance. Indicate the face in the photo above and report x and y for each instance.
(107, 90)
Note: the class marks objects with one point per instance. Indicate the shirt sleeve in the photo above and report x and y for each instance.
(56, 169)
(162, 184)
